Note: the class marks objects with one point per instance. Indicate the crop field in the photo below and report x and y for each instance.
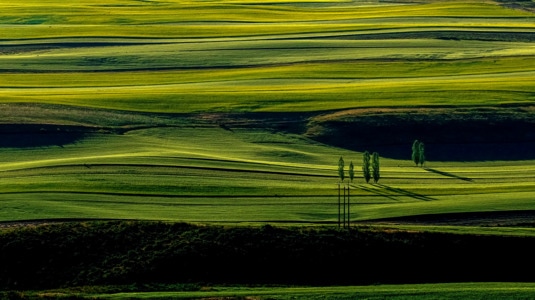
(183, 174)
(236, 112)
(119, 104)
(194, 56)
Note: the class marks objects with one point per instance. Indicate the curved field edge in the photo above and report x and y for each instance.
(241, 168)
(183, 174)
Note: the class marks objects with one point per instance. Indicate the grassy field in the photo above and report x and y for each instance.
(134, 59)
(205, 112)
(189, 56)
(183, 174)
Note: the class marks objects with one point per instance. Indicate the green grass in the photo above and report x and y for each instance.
(245, 176)
(130, 59)
(148, 79)
(189, 56)
(275, 12)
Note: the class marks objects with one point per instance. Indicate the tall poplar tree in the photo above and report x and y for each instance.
(416, 152)
(341, 172)
(375, 167)
(366, 166)
(421, 153)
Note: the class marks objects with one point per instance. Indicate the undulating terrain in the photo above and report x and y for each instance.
(235, 113)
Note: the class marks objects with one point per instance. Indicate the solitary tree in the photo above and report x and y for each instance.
(341, 172)
(375, 167)
(421, 153)
(416, 152)
(351, 171)
(366, 166)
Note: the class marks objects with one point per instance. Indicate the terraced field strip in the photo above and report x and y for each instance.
(189, 56)
(213, 13)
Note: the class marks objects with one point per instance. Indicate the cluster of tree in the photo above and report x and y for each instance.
(374, 173)
(370, 168)
(418, 153)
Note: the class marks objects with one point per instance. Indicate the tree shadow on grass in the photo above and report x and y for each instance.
(406, 193)
(448, 174)
(377, 192)
(393, 193)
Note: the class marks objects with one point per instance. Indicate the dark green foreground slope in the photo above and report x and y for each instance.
(130, 253)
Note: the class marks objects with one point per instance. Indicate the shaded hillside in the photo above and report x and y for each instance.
(449, 133)
(503, 133)
(128, 252)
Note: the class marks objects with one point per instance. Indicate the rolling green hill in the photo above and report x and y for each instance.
(193, 56)
(209, 111)
(198, 171)
(236, 112)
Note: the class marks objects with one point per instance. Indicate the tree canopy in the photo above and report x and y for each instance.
(418, 153)
(341, 172)
(366, 166)
(375, 167)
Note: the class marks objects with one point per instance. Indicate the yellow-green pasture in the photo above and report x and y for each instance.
(186, 18)
(300, 86)
(191, 56)
(243, 56)
(244, 176)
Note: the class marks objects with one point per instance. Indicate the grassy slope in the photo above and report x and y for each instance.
(192, 56)
(285, 58)
(144, 173)
(239, 57)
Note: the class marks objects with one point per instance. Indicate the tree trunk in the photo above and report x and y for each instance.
(344, 209)
(348, 209)
(338, 205)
